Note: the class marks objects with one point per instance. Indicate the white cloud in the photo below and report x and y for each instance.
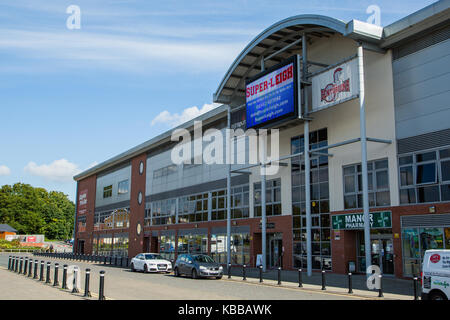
(4, 171)
(59, 170)
(174, 119)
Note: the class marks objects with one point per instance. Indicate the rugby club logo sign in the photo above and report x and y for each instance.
(335, 85)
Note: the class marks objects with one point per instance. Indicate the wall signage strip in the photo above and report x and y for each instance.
(355, 221)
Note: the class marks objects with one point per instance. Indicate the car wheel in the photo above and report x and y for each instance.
(194, 274)
(132, 268)
(437, 296)
(176, 273)
(218, 278)
(145, 269)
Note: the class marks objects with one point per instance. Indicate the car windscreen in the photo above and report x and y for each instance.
(153, 256)
(202, 258)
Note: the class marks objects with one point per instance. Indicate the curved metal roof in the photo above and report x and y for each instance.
(275, 37)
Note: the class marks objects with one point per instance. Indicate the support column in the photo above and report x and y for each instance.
(365, 184)
(228, 164)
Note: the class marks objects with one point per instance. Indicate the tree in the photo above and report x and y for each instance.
(35, 211)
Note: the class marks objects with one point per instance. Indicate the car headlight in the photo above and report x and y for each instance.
(220, 268)
(203, 268)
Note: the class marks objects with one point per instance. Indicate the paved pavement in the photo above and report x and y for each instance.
(19, 287)
(121, 283)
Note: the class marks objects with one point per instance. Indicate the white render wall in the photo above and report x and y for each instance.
(113, 179)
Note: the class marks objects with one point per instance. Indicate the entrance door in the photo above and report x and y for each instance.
(275, 251)
(146, 244)
(383, 255)
(80, 246)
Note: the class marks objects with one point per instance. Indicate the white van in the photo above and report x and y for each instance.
(436, 275)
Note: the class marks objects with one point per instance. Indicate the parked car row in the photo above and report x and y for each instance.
(192, 265)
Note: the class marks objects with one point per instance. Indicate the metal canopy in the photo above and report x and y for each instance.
(285, 33)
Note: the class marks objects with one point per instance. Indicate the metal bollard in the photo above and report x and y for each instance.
(244, 276)
(260, 274)
(115, 260)
(350, 287)
(323, 280)
(75, 280)
(101, 290)
(25, 266)
(56, 282)
(30, 268)
(380, 291)
(229, 271)
(13, 261)
(41, 276)
(16, 265)
(21, 265)
(279, 275)
(104, 260)
(87, 293)
(300, 281)
(48, 272)
(64, 284)
(9, 263)
(416, 297)
(35, 269)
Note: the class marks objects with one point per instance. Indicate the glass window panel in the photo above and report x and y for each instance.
(324, 194)
(323, 175)
(324, 206)
(428, 194)
(350, 202)
(426, 173)
(447, 238)
(445, 170)
(408, 195)
(383, 198)
(325, 220)
(380, 164)
(431, 238)
(445, 193)
(410, 238)
(349, 184)
(421, 157)
(349, 170)
(444, 153)
(406, 176)
(382, 180)
(405, 160)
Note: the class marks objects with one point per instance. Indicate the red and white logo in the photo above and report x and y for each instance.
(435, 258)
(331, 91)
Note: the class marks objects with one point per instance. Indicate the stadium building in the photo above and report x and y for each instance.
(371, 105)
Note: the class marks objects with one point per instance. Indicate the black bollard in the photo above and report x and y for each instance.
(300, 281)
(101, 290)
(41, 275)
(416, 297)
(56, 282)
(380, 291)
(13, 261)
(35, 269)
(323, 280)
(244, 276)
(9, 263)
(21, 265)
(75, 280)
(25, 267)
(64, 284)
(30, 268)
(104, 260)
(48, 272)
(260, 274)
(87, 293)
(229, 271)
(279, 275)
(16, 266)
(350, 288)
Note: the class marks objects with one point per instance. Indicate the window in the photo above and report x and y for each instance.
(112, 219)
(81, 224)
(320, 205)
(425, 176)
(164, 172)
(239, 203)
(123, 187)
(107, 192)
(378, 182)
(273, 198)
(161, 212)
(193, 208)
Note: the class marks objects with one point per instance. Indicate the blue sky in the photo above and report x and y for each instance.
(74, 98)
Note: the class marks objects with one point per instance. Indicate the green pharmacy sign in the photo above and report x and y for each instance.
(354, 221)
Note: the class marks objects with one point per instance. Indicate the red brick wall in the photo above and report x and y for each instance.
(90, 184)
(137, 211)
